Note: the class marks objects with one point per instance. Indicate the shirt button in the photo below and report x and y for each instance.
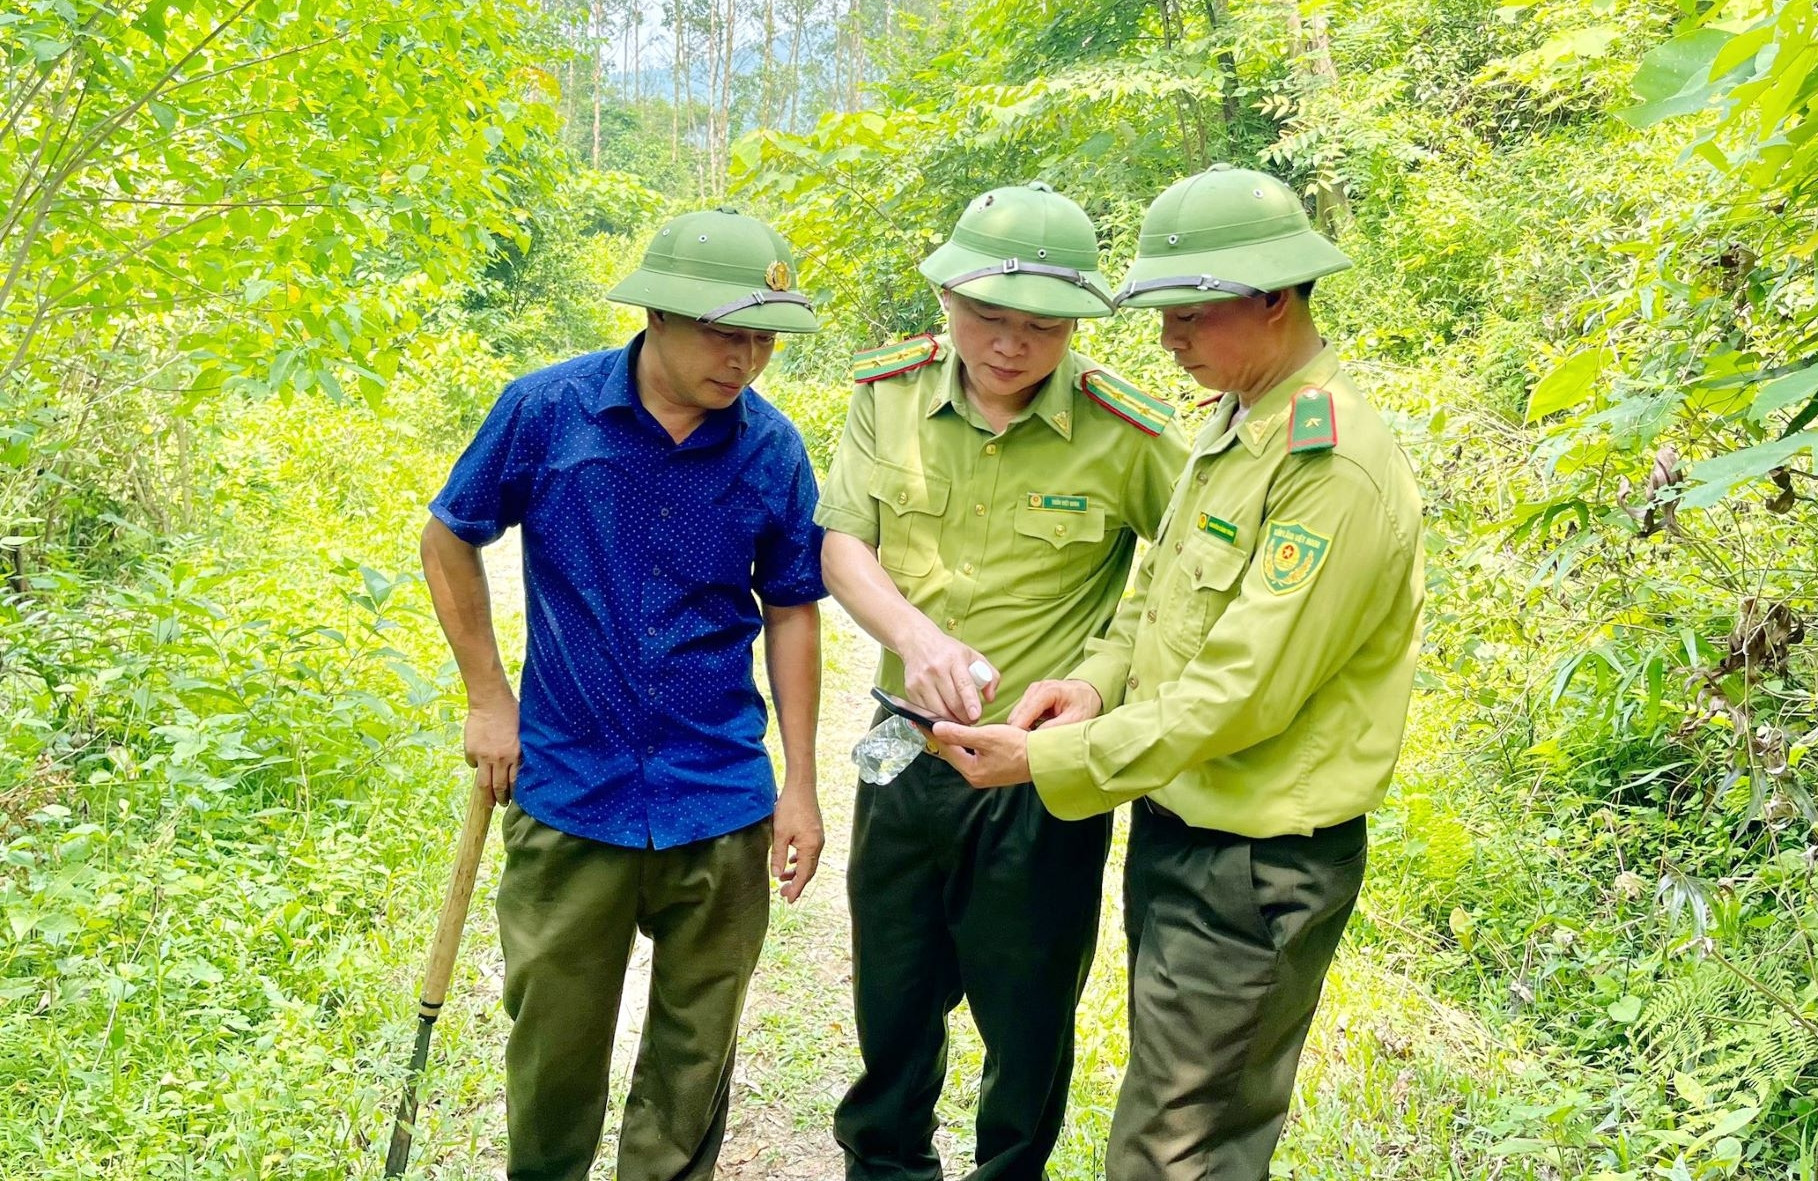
(656, 572)
(650, 631)
(1150, 616)
(1200, 479)
(902, 498)
(664, 511)
(650, 750)
(952, 624)
(990, 448)
(967, 567)
(1131, 682)
(1060, 531)
(978, 510)
(1177, 547)
(1198, 571)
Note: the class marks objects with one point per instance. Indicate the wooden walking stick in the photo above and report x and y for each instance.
(441, 966)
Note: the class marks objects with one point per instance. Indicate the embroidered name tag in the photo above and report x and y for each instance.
(1059, 504)
(1223, 530)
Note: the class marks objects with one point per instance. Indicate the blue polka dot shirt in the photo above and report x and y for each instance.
(644, 561)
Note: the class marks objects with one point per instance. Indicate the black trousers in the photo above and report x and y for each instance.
(1230, 939)
(981, 894)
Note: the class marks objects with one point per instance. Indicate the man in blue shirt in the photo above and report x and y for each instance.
(667, 516)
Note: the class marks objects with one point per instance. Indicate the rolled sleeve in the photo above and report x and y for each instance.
(846, 505)
(787, 572)
(489, 486)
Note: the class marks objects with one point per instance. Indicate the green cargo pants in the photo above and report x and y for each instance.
(568, 912)
(984, 894)
(1230, 939)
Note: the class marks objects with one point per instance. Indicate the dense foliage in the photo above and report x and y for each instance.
(262, 266)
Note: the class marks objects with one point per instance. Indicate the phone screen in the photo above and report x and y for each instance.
(908, 709)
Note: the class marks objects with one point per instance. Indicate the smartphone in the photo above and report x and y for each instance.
(910, 710)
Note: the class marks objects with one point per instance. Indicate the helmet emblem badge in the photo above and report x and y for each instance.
(776, 276)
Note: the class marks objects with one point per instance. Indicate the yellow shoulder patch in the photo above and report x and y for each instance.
(902, 357)
(1147, 414)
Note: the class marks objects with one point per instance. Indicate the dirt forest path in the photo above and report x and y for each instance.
(1394, 1083)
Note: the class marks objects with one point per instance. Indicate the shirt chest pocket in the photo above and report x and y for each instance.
(910, 504)
(1202, 584)
(1054, 551)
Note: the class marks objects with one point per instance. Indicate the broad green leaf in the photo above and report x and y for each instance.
(1674, 78)
(1626, 1011)
(1742, 48)
(1713, 478)
(1570, 383)
(1783, 392)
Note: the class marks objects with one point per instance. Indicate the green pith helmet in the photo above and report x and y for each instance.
(1024, 247)
(1224, 233)
(720, 267)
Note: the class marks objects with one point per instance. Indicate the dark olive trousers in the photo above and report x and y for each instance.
(1230, 939)
(568, 912)
(981, 894)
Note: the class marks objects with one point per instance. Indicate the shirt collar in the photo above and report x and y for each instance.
(1269, 412)
(618, 392)
(1053, 402)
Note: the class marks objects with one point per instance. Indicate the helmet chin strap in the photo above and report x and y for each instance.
(755, 299)
(1015, 266)
(1183, 282)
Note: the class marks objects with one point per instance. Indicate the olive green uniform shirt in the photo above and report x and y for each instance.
(1257, 682)
(1018, 544)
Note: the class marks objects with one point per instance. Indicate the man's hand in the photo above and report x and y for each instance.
(988, 756)
(937, 673)
(795, 844)
(1056, 703)
(491, 741)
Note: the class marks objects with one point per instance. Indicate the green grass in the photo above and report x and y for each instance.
(211, 963)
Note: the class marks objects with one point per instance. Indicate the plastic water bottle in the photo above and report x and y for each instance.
(891, 745)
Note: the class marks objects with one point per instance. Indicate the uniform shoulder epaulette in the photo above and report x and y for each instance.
(905, 356)
(1146, 414)
(1312, 425)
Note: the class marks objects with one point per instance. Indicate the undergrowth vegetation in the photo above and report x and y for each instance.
(240, 343)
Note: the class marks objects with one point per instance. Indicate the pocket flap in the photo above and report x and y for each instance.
(1213, 564)
(906, 490)
(1059, 527)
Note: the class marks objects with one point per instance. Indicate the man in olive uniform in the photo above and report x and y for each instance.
(667, 515)
(1256, 685)
(985, 502)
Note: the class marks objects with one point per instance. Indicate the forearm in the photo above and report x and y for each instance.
(853, 575)
(792, 657)
(463, 603)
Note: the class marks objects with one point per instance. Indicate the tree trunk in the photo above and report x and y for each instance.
(596, 27)
(675, 81)
(766, 93)
(1331, 208)
(795, 70)
(724, 152)
(1218, 18)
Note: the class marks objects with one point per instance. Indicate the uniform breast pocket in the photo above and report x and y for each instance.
(1203, 583)
(1055, 551)
(909, 518)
